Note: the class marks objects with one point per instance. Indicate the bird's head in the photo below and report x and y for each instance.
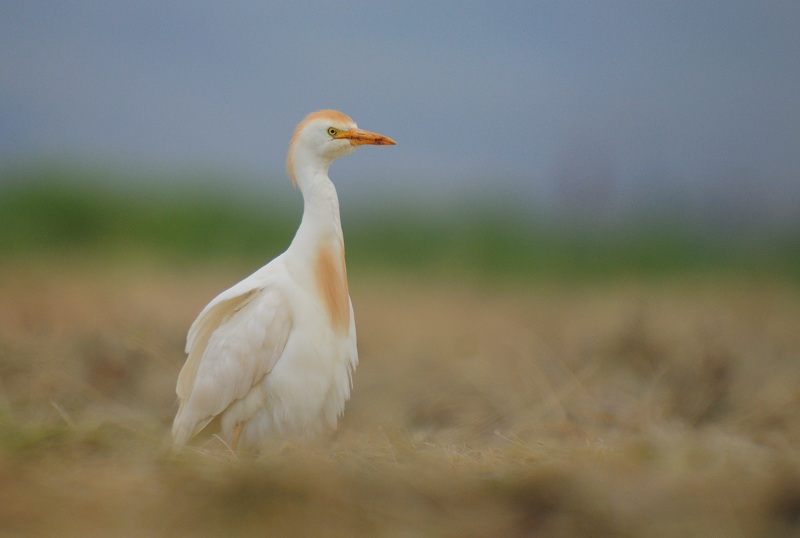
(323, 136)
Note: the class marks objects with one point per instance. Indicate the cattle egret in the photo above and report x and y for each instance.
(273, 356)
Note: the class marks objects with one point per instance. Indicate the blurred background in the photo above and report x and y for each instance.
(576, 276)
(542, 130)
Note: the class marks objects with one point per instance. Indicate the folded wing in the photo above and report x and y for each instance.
(234, 342)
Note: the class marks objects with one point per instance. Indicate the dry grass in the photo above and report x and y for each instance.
(629, 409)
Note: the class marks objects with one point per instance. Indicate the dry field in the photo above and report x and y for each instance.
(666, 408)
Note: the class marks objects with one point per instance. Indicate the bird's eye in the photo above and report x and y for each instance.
(333, 131)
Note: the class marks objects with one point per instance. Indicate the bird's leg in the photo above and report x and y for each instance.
(237, 431)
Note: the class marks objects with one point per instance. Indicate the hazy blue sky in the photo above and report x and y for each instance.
(559, 103)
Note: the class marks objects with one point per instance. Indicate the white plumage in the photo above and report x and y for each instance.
(273, 356)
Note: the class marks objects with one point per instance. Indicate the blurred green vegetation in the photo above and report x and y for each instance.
(62, 211)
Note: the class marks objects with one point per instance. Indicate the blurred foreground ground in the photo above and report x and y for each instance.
(633, 408)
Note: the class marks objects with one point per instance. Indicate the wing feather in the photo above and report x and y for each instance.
(235, 341)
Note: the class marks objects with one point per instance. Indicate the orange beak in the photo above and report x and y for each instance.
(359, 137)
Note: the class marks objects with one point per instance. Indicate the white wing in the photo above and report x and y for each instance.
(234, 342)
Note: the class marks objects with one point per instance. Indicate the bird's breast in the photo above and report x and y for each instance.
(330, 274)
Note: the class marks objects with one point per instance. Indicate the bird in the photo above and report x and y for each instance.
(273, 356)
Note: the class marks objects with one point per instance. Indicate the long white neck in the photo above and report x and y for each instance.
(321, 221)
(316, 255)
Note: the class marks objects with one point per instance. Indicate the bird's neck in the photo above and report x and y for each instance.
(317, 251)
(321, 221)
(321, 207)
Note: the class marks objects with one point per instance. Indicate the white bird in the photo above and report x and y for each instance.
(274, 355)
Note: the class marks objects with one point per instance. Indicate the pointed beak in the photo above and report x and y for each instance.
(359, 137)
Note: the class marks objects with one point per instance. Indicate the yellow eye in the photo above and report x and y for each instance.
(333, 131)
